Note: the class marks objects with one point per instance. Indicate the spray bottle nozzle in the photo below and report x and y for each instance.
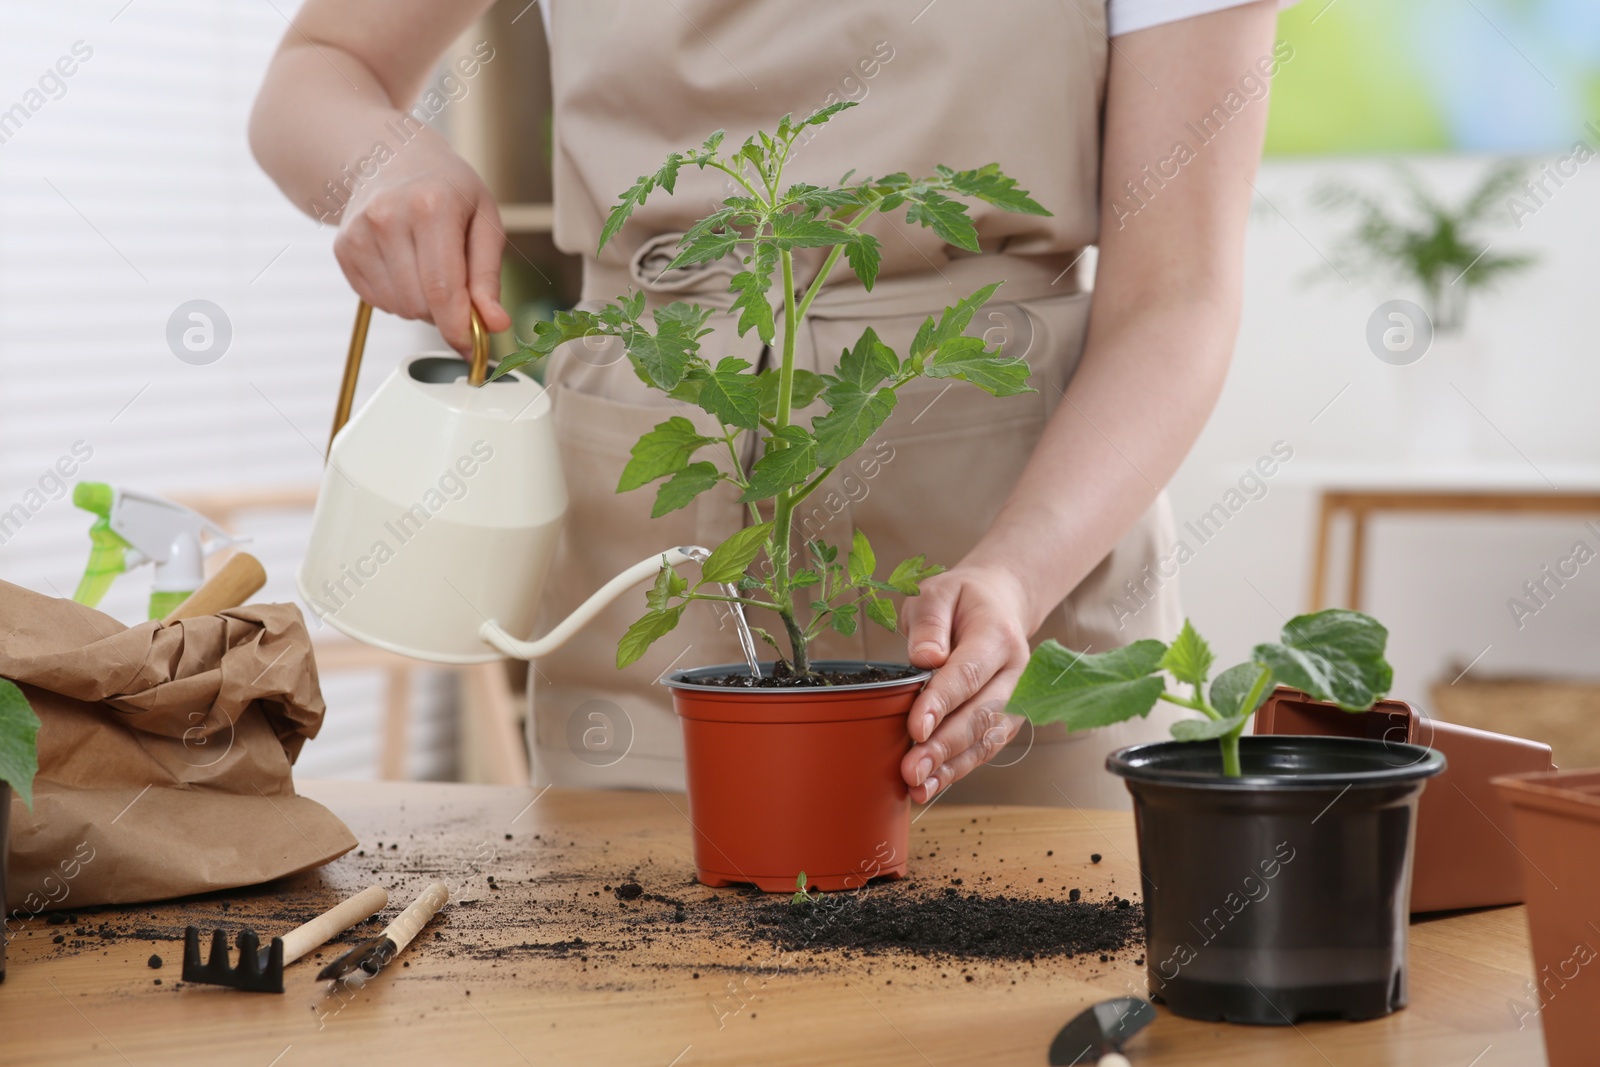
(155, 530)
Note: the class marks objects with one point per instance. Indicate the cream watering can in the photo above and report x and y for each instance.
(439, 512)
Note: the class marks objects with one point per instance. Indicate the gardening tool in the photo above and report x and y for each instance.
(440, 510)
(260, 970)
(135, 528)
(1097, 1034)
(370, 955)
(236, 581)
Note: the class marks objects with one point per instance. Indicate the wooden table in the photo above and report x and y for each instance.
(517, 974)
(1361, 491)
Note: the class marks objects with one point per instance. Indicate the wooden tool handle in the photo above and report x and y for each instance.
(238, 580)
(340, 917)
(411, 921)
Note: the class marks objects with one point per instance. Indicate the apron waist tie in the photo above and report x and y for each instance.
(1025, 278)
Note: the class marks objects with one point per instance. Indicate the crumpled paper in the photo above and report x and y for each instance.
(164, 753)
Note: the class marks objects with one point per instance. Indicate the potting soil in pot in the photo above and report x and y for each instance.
(783, 677)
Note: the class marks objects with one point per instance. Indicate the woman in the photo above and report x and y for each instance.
(1137, 122)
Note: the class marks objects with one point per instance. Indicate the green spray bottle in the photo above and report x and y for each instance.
(133, 528)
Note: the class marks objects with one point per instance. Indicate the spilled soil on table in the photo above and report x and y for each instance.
(558, 911)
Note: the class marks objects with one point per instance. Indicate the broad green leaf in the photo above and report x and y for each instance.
(683, 487)
(823, 551)
(1188, 658)
(780, 468)
(708, 151)
(881, 611)
(730, 394)
(864, 254)
(667, 176)
(665, 355)
(863, 561)
(728, 561)
(988, 184)
(968, 359)
(946, 217)
(550, 335)
(856, 416)
(1233, 685)
(804, 577)
(953, 322)
(1334, 655)
(705, 247)
(632, 197)
(1084, 690)
(755, 153)
(751, 301)
(19, 737)
(796, 229)
(823, 114)
(843, 620)
(636, 194)
(909, 574)
(816, 196)
(868, 363)
(1206, 729)
(664, 450)
(668, 585)
(650, 628)
(807, 385)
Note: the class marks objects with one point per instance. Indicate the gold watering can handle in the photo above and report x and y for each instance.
(476, 374)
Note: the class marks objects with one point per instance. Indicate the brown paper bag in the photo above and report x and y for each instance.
(164, 753)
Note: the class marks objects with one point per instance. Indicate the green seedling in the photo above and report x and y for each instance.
(19, 742)
(1333, 655)
(764, 224)
(802, 895)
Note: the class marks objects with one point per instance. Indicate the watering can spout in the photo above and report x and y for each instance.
(507, 645)
(492, 632)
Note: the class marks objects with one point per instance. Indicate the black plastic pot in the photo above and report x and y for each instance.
(1281, 895)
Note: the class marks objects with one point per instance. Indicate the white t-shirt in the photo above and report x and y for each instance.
(1122, 16)
(1125, 16)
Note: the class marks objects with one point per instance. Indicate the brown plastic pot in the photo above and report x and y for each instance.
(789, 780)
(1557, 823)
(1464, 858)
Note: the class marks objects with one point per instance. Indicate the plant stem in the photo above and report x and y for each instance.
(778, 546)
(1230, 740)
(743, 601)
(1192, 704)
(1230, 754)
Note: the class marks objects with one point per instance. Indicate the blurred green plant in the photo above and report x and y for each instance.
(1420, 239)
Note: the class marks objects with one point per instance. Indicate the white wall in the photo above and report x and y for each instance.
(1440, 584)
(126, 193)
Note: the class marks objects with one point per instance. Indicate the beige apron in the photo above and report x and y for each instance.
(963, 84)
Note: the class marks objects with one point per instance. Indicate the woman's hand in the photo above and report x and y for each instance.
(420, 235)
(972, 624)
(423, 239)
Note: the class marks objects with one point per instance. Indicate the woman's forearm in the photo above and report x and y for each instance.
(339, 86)
(1139, 399)
(1166, 305)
